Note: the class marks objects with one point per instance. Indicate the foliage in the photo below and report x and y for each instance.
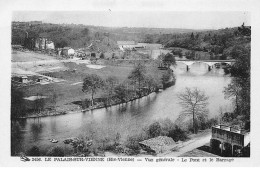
(177, 52)
(137, 76)
(91, 84)
(168, 78)
(56, 151)
(239, 88)
(177, 134)
(39, 103)
(85, 103)
(17, 103)
(121, 92)
(132, 143)
(154, 130)
(169, 59)
(33, 151)
(190, 55)
(233, 91)
(109, 88)
(194, 103)
(151, 84)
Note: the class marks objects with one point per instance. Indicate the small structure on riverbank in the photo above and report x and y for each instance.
(228, 141)
(157, 145)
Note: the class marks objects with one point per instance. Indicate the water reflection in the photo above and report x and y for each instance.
(129, 118)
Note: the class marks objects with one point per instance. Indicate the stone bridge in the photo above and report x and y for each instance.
(210, 63)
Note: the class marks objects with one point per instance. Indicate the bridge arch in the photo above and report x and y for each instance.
(210, 63)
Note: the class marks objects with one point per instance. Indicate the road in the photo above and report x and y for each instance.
(193, 143)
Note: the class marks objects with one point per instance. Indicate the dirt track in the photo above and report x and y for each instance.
(193, 143)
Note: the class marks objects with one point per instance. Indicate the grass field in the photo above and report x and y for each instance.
(20, 56)
(70, 90)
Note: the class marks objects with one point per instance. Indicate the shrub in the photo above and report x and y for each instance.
(56, 151)
(133, 143)
(154, 130)
(34, 151)
(177, 134)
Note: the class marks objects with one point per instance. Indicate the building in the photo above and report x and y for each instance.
(17, 24)
(67, 51)
(158, 144)
(228, 141)
(123, 45)
(24, 79)
(34, 23)
(44, 43)
(50, 45)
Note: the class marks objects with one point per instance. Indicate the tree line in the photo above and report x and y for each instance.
(239, 88)
(138, 83)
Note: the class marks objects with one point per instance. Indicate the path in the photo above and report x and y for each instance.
(189, 145)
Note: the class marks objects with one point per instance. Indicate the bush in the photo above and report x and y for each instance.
(56, 151)
(133, 143)
(33, 151)
(154, 130)
(177, 134)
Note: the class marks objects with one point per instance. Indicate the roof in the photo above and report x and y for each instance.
(231, 129)
(159, 144)
(67, 48)
(197, 153)
(126, 43)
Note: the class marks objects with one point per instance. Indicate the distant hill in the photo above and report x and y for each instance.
(78, 35)
(105, 38)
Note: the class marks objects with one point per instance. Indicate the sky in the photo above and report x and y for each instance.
(154, 19)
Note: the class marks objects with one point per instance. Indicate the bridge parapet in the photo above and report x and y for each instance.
(208, 62)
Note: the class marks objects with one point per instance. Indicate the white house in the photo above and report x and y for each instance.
(68, 51)
(50, 45)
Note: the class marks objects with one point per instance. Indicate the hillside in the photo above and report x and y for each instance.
(218, 43)
(78, 36)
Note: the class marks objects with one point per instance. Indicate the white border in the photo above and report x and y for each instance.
(6, 8)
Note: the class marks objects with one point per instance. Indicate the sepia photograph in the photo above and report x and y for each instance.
(129, 85)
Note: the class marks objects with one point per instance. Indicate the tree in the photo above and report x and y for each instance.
(233, 91)
(17, 103)
(56, 151)
(121, 92)
(192, 36)
(54, 98)
(194, 103)
(91, 84)
(85, 31)
(33, 151)
(148, 38)
(239, 88)
(151, 84)
(154, 130)
(39, 103)
(137, 76)
(169, 59)
(109, 87)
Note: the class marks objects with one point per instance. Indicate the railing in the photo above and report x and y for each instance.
(226, 134)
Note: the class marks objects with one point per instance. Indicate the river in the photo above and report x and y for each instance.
(127, 119)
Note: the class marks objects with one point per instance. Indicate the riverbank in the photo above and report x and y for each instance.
(63, 97)
(99, 105)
